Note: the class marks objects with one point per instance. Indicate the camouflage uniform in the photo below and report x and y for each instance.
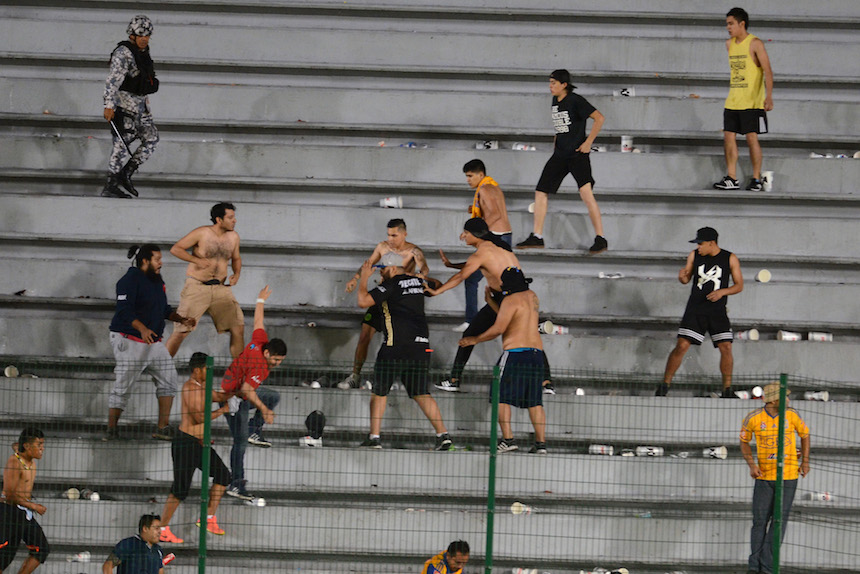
(133, 117)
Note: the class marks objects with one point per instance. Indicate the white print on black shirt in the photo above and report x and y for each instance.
(413, 286)
(560, 120)
(715, 274)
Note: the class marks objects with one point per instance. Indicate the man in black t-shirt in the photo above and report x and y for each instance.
(570, 156)
(706, 307)
(405, 351)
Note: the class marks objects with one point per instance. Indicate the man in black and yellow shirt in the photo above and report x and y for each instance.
(405, 351)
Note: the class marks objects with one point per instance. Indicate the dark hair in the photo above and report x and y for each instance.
(220, 210)
(28, 435)
(740, 15)
(562, 76)
(142, 253)
(276, 347)
(475, 165)
(146, 521)
(458, 547)
(477, 227)
(399, 223)
(197, 360)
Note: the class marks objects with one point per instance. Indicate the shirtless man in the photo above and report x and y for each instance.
(415, 264)
(17, 522)
(205, 290)
(488, 204)
(490, 259)
(187, 451)
(522, 359)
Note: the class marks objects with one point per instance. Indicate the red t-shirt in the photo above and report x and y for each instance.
(249, 367)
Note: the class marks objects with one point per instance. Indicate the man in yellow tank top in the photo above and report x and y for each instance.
(750, 97)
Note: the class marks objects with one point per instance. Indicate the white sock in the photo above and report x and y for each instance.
(373, 436)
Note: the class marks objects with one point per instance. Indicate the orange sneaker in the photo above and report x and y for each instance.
(212, 526)
(168, 536)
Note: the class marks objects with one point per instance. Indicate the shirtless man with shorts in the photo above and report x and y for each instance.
(17, 509)
(522, 360)
(415, 264)
(206, 288)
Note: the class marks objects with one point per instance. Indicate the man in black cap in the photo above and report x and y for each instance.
(405, 351)
(706, 307)
(522, 360)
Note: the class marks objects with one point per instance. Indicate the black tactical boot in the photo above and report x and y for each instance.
(111, 188)
(124, 176)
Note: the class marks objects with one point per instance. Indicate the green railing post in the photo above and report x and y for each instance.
(780, 463)
(491, 475)
(204, 466)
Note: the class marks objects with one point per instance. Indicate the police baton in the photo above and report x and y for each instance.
(116, 131)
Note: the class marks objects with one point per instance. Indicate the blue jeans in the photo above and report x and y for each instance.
(761, 535)
(471, 286)
(241, 428)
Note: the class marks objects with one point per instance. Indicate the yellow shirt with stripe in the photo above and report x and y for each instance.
(765, 428)
(476, 210)
(438, 565)
(746, 89)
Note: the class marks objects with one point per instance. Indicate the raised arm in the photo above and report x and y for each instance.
(374, 257)
(262, 296)
(365, 299)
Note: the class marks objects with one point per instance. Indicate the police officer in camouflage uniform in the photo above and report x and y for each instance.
(131, 80)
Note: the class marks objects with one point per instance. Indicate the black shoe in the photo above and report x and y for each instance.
(164, 433)
(507, 445)
(111, 189)
(371, 443)
(548, 389)
(728, 393)
(450, 385)
(444, 442)
(538, 448)
(124, 176)
(755, 185)
(111, 435)
(727, 183)
(662, 390)
(238, 491)
(531, 242)
(600, 245)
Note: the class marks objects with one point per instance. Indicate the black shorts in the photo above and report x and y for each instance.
(14, 528)
(557, 168)
(745, 121)
(522, 378)
(187, 453)
(373, 317)
(410, 364)
(695, 325)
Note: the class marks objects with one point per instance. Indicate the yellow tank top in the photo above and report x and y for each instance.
(746, 90)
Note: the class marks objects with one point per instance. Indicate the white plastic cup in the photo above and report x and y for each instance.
(719, 452)
(767, 180)
(626, 144)
(742, 394)
(518, 508)
(546, 327)
(821, 496)
(757, 391)
(820, 337)
(11, 371)
(822, 396)
(72, 494)
(649, 451)
(487, 144)
(787, 336)
(750, 335)
(395, 201)
(763, 276)
(531, 207)
(79, 557)
(606, 449)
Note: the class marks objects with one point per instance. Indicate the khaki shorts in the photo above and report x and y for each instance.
(218, 300)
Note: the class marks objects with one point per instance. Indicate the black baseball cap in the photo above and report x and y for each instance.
(562, 76)
(705, 234)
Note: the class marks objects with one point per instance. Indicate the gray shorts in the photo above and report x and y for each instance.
(132, 360)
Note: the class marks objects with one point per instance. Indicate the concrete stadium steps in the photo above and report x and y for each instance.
(572, 421)
(682, 539)
(371, 163)
(633, 346)
(242, 108)
(324, 287)
(242, 41)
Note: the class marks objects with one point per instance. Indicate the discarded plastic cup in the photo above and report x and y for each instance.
(617, 275)
(821, 496)
(522, 147)
(742, 394)
(523, 570)
(763, 276)
(822, 396)
(757, 391)
(626, 144)
(649, 451)
(11, 371)
(396, 201)
(820, 337)
(487, 144)
(531, 207)
(787, 336)
(518, 508)
(767, 180)
(79, 557)
(719, 452)
(606, 449)
(72, 494)
(750, 335)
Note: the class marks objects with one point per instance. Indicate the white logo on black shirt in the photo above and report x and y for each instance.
(714, 274)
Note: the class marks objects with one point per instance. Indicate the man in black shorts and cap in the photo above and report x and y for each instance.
(522, 360)
(405, 352)
(706, 307)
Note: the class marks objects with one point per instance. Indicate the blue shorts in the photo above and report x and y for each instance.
(522, 378)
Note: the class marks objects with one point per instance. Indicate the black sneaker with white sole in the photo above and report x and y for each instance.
(548, 389)
(727, 183)
(257, 439)
(507, 445)
(755, 185)
(662, 390)
(531, 242)
(371, 443)
(238, 491)
(538, 448)
(444, 442)
(449, 385)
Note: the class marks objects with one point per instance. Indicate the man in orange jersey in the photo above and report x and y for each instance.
(763, 423)
(451, 561)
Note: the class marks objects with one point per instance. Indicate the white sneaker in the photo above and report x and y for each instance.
(461, 327)
(310, 441)
(347, 383)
